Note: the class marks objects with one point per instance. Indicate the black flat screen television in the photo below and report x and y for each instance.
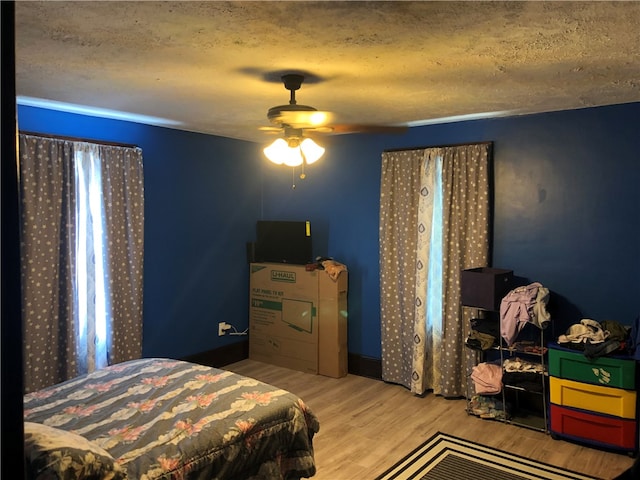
(283, 242)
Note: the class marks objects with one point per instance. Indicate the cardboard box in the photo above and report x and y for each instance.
(485, 287)
(298, 319)
(332, 322)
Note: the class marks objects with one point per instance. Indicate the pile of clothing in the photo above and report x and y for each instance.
(523, 373)
(487, 407)
(596, 339)
(522, 305)
(487, 378)
(329, 265)
(484, 334)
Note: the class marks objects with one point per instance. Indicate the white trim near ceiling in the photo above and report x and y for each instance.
(95, 112)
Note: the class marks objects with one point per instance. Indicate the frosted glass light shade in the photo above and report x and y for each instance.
(275, 152)
(292, 157)
(279, 152)
(311, 150)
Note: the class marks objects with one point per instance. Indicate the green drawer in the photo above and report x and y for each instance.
(605, 371)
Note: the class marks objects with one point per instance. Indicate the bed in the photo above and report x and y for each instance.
(167, 419)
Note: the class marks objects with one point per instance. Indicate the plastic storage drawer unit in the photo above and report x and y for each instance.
(606, 371)
(598, 429)
(595, 398)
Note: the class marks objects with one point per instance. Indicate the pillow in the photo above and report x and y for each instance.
(52, 453)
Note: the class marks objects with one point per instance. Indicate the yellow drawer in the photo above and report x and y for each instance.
(593, 398)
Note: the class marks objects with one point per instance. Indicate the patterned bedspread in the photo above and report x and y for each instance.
(168, 419)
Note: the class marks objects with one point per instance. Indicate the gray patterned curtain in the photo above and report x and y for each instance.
(123, 194)
(70, 293)
(47, 190)
(434, 222)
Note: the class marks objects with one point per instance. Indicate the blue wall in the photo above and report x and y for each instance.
(567, 214)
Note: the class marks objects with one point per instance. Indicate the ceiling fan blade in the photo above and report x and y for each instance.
(322, 129)
(380, 129)
(270, 129)
(303, 118)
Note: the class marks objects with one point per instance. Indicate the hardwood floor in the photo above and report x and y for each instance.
(367, 425)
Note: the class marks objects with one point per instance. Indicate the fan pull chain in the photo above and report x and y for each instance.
(293, 175)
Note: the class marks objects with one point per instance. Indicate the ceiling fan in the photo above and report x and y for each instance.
(295, 147)
(294, 119)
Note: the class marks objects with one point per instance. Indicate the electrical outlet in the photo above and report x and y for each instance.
(222, 328)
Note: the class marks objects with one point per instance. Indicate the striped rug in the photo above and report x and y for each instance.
(444, 457)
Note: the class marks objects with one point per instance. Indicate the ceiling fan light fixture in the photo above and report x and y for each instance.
(280, 153)
(294, 149)
(292, 152)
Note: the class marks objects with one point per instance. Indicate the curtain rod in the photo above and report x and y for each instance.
(78, 139)
(436, 146)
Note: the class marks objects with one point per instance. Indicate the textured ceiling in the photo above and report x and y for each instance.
(215, 67)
